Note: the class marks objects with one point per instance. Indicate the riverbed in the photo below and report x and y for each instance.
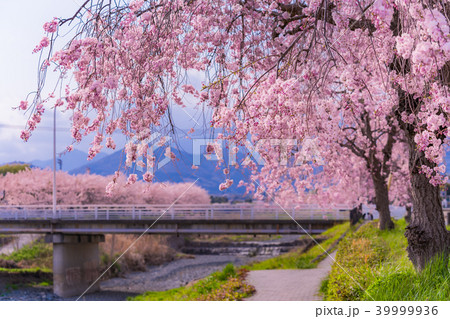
(156, 278)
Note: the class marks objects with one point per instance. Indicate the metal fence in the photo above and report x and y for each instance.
(197, 212)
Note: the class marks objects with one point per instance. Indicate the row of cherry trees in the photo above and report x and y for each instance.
(34, 186)
(353, 83)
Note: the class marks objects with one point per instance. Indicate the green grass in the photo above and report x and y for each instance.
(297, 260)
(227, 284)
(30, 252)
(34, 255)
(324, 286)
(44, 284)
(10, 287)
(24, 270)
(377, 268)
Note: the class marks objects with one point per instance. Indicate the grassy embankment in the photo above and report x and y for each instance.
(33, 257)
(377, 268)
(229, 284)
(28, 266)
(309, 259)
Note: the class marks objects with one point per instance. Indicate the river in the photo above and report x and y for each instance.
(170, 275)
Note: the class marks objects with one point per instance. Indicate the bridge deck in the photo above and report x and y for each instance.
(135, 212)
(160, 219)
(168, 226)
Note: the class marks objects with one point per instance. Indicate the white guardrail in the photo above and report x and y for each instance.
(179, 212)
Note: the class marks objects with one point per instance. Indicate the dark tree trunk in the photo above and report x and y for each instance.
(408, 214)
(426, 233)
(382, 202)
(379, 168)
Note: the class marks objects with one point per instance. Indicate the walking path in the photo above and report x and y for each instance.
(289, 284)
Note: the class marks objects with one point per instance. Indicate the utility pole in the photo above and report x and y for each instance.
(54, 163)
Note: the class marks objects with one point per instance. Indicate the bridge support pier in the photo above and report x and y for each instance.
(75, 263)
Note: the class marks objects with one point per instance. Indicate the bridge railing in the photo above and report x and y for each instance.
(141, 212)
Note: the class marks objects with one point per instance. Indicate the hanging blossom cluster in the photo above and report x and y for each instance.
(124, 78)
(283, 73)
(300, 132)
(425, 43)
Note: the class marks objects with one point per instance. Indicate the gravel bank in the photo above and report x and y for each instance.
(175, 274)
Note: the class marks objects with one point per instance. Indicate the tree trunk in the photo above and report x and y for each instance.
(408, 213)
(426, 234)
(382, 202)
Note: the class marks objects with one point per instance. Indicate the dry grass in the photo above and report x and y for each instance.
(148, 250)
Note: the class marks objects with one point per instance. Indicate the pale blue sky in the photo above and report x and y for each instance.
(20, 30)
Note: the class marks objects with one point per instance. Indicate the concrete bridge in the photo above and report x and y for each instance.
(75, 231)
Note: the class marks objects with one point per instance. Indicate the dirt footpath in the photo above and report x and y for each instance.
(289, 284)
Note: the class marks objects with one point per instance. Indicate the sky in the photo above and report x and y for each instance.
(21, 30)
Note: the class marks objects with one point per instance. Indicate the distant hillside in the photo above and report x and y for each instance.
(70, 160)
(14, 167)
(176, 171)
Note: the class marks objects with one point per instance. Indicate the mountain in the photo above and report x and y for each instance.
(179, 170)
(70, 160)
